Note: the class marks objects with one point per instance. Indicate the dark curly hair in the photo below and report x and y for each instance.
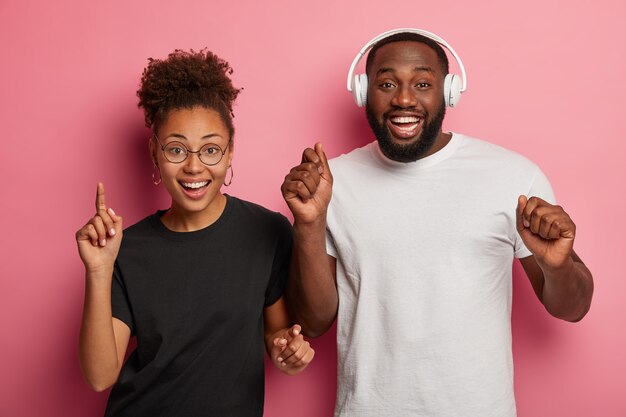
(185, 80)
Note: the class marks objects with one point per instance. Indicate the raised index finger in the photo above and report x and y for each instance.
(100, 202)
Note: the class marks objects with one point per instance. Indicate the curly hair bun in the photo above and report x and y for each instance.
(184, 80)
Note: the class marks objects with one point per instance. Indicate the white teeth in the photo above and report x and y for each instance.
(195, 184)
(405, 119)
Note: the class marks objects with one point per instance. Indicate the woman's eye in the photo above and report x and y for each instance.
(175, 150)
(211, 151)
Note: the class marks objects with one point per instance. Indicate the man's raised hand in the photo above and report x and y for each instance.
(547, 231)
(307, 188)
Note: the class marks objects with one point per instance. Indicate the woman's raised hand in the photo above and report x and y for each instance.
(99, 240)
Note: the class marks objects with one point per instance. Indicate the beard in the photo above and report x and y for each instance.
(414, 150)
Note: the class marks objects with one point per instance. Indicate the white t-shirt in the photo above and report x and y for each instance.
(424, 263)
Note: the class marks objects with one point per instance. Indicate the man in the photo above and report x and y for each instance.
(413, 254)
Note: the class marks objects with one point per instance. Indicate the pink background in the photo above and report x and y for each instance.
(546, 78)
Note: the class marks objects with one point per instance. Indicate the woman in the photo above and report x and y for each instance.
(200, 284)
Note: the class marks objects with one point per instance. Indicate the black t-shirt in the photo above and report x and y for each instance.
(195, 303)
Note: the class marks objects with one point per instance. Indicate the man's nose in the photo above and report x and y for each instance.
(404, 96)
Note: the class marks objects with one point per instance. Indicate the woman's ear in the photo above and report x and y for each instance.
(231, 152)
(152, 147)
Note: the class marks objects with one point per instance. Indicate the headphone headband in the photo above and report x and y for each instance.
(389, 33)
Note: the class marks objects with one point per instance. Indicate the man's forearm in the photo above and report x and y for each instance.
(312, 290)
(567, 291)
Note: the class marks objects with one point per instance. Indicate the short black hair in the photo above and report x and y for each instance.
(185, 80)
(410, 37)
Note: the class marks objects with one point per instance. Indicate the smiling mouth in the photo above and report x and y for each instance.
(194, 186)
(404, 126)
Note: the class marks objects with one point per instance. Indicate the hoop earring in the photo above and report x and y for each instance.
(230, 181)
(156, 171)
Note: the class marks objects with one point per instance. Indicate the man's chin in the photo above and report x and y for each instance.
(403, 141)
(404, 149)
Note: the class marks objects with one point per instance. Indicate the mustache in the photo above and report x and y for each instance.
(421, 113)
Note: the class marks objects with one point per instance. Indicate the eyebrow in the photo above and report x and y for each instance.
(383, 70)
(181, 136)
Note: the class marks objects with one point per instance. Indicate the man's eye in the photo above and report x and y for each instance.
(386, 85)
(422, 85)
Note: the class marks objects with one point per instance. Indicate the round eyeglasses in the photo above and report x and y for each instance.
(176, 152)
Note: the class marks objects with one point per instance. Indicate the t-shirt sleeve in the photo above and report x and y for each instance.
(280, 264)
(539, 187)
(120, 306)
(330, 245)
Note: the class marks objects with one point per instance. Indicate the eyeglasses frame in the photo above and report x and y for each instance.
(188, 151)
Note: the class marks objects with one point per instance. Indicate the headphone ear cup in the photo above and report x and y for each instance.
(452, 89)
(359, 89)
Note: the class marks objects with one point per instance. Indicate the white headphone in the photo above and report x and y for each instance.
(453, 86)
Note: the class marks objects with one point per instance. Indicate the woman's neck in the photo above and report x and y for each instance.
(179, 220)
